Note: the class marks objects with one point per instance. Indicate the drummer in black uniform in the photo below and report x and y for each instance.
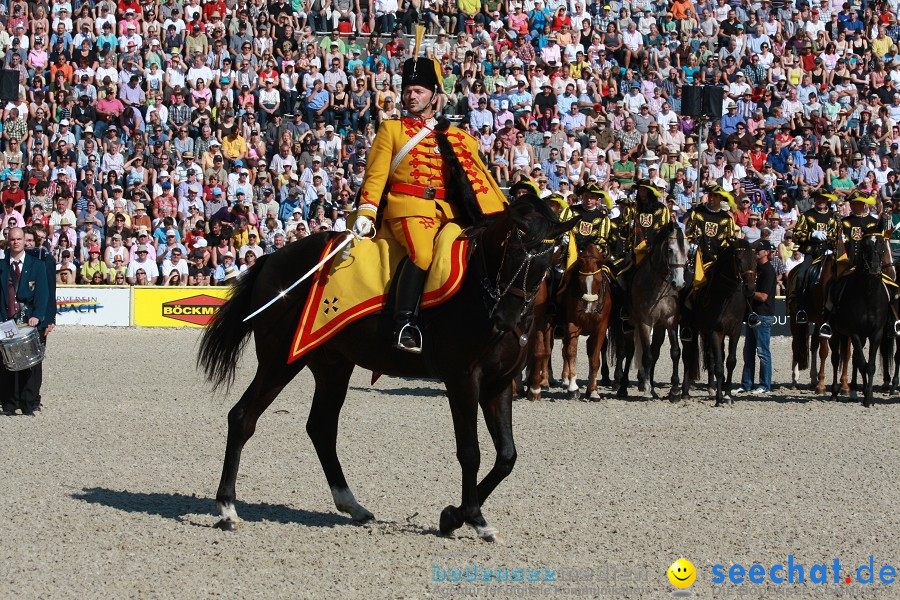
(42, 253)
(24, 298)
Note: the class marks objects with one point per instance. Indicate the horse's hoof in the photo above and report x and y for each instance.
(595, 396)
(622, 393)
(606, 382)
(854, 395)
(451, 520)
(535, 397)
(819, 390)
(845, 391)
(227, 525)
(362, 516)
(711, 392)
(574, 395)
(492, 537)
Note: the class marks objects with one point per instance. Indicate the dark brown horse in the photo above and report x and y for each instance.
(808, 350)
(862, 306)
(588, 306)
(717, 312)
(474, 344)
(654, 299)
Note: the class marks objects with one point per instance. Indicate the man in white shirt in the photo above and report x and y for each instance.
(142, 262)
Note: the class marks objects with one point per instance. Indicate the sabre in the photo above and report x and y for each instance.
(350, 237)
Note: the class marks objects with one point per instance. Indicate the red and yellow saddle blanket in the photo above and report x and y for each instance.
(345, 290)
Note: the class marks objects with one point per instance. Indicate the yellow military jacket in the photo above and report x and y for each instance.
(422, 168)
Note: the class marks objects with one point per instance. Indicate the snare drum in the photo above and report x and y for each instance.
(22, 351)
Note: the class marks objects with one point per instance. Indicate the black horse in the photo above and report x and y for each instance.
(862, 305)
(475, 344)
(718, 312)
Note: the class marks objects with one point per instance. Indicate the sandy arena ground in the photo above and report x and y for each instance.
(108, 493)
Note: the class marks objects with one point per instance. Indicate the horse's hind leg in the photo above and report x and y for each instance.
(823, 357)
(264, 388)
(332, 380)
(651, 357)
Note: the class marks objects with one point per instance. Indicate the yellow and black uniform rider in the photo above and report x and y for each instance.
(593, 225)
(816, 232)
(650, 215)
(853, 228)
(710, 227)
(419, 176)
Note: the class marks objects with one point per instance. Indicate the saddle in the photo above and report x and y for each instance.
(347, 289)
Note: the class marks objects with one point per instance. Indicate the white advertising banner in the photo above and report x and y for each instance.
(98, 306)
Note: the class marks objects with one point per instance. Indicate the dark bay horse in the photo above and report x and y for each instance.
(654, 298)
(588, 306)
(862, 305)
(808, 350)
(474, 344)
(718, 312)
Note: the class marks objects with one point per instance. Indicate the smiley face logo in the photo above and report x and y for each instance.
(682, 573)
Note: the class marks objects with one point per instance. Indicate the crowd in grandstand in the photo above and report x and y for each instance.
(174, 144)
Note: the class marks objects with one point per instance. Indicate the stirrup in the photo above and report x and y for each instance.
(409, 338)
(623, 314)
(897, 328)
(686, 334)
(825, 331)
(801, 318)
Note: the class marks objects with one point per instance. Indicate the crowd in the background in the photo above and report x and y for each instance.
(175, 143)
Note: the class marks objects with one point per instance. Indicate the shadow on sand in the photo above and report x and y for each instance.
(178, 506)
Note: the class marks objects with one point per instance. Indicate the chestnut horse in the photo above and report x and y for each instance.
(807, 348)
(588, 306)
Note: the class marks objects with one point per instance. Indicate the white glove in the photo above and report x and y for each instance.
(363, 226)
(819, 235)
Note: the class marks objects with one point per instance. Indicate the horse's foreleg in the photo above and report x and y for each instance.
(718, 360)
(675, 356)
(570, 349)
(823, 357)
(538, 364)
(836, 359)
(869, 377)
(651, 356)
(845, 363)
(595, 355)
(332, 380)
(242, 419)
(627, 351)
(463, 391)
(730, 363)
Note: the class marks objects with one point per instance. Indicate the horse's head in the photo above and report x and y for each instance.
(744, 261)
(671, 252)
(871, 253)
(590, 277)
(526, 234)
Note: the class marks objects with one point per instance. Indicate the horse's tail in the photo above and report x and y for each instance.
(227, 332)
(802, 353)
(691, 354)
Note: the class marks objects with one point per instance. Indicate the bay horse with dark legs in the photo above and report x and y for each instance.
(474, 344)
(654, 298)
(862, 305)
(717, 312)
(808, 350)
(588, 306)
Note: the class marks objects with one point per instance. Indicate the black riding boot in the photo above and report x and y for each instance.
(410, 282)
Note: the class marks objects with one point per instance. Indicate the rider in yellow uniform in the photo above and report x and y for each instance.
(650, 216)
(421, 173)
(853, 229)
(593, 225)
(815, 232)
(709, 228)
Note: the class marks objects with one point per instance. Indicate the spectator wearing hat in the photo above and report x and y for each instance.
(223, 268)
(142, 270)
(92, 266)
(759, 324)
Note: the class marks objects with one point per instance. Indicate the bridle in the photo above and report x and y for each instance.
(879, 253)
(495, 292)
